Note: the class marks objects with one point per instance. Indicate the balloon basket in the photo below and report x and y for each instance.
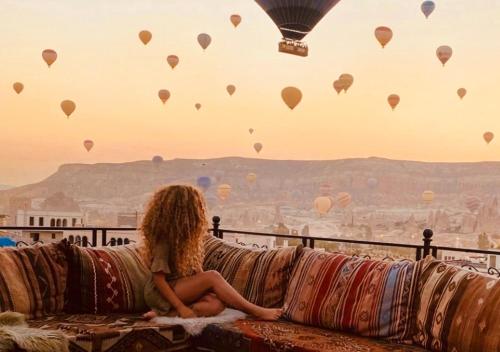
(293, 47)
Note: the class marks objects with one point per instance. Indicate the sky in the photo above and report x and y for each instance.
(114, 80)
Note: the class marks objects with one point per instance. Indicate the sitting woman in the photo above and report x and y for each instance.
(174, 227)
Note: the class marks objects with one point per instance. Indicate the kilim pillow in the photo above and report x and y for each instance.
(362, 296)
(106, 280)
(261, 276)
(33, 279)
(456, 310)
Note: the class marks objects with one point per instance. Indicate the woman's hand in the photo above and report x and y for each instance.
(186, 312)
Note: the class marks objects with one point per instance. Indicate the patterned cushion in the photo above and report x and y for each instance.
(33, 279)
(261, 276)
(105, 280)
(456, 309)
(366, 297)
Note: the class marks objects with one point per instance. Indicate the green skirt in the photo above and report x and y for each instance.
(154, 299)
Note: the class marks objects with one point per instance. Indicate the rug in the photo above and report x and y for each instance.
(195, 326)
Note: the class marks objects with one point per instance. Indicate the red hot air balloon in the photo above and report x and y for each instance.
(88, 144)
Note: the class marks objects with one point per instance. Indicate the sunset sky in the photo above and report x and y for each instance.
(114, 79)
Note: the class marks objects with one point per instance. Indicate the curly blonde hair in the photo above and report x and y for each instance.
(177, 214)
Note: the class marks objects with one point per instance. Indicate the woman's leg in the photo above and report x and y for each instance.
(191, 289)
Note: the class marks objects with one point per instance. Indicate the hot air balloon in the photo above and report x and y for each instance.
(346, 81)
(488, 137)
(338, 86)
(250, 130)
(393, 100)
(444, 53)
(427, 8)
(88, 144)
(257, 147)
(344, 199)
(372, 182)
(323, 205)
(461, 92)
(204, 182)
(145, 37)
(231, 89)
(295, 19)
(49, 56)
(291, 96)
(204, 40)
(18, 87)
(68, 107)
(157, 159)
(383, 35)
(472, 203)
(235, 20)
(164, 95)
(223, 191)
(325, 189)
(173, 60)
(428, 197)
(197, 106)
(251, 177)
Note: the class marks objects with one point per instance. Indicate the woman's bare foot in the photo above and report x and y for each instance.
(269, 314)
(150, 315)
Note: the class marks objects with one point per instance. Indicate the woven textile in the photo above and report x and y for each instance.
(261, 276)
(365, 297)
(33, 279)
(106, 280)
(456, 310)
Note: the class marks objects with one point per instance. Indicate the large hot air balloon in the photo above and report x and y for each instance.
(393, 100)
(235, 20)
(145, 37)
(323, 205)
(444, 53)
(257, 147)
(338, 86)
(427, 8)
(197, 106)
(173, 60)
(461, 92)
(472, 203)
(88, 144)
(49, 56)
(295, 19)
(204, 40)
(18, 87)
(68, 107)
(223, 191)
(428, 197)
(164, 95)
(346, 81)
(383, 35)
(251, 130)
(251, 177)
(488, 137)
(157, 159)
(344, 199)
(291, 96)
(231, 89)
(204, 182)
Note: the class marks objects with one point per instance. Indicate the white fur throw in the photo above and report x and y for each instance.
(194, 326)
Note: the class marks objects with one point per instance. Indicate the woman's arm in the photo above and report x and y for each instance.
(169, 294)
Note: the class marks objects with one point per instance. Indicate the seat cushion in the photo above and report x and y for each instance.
(261, 276)
(362, 296)
(106, 280)
(114, 333)
(456, 309)
(33, 279)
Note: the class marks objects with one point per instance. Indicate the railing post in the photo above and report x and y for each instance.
(94, 237)
(126, 241)
(216, 224)
(311, 243)
(427, 241)
(113, 242)
(304, 242)
(103, 237)
(418, 254)
(85, 241)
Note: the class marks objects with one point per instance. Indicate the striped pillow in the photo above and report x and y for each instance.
(33, 279)
(456, 309)
(106, 280)
(366, 297)
(261, 276)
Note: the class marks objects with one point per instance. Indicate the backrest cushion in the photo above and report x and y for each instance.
(456, 309)
(106, 280)
(261, 276)
(362, 296)
(33, 279)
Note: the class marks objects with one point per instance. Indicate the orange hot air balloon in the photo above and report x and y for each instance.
(251, 130)
(291, 96)
(393, 100)
(461, 92)
(145, 37)
(338, 86)
(173, 60)
(383, 35)
(257, 147)
(223, 191)
(49, 56)
(323, 205)
(428, 197)
(235, 20)
(164, 95)
(344, 199)
(204, 40)
(346, 81)
(197, 106)
(251, 177)
(231, 89)
(88, 144)
(18, 87)
(68, 107)
(444, 53)
(488, 137)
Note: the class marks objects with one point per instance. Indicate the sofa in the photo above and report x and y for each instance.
(331, 302)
